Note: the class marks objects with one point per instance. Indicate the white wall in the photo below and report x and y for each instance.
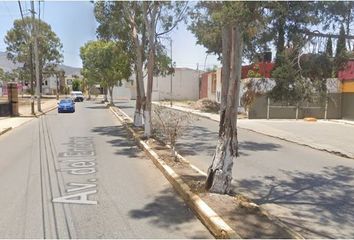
(51, 85)
(124, 91)
(185, 85)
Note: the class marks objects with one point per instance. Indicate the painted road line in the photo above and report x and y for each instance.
(79, 159)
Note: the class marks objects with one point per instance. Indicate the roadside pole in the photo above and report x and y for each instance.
(38, 93)
(31, 61)
(268, 108)
(171, 74)
(57, 86)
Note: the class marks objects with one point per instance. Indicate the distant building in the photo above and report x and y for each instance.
(185, 85)
(210, 82)
(347, 77)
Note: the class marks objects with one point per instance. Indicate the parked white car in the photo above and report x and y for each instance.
(77, 96)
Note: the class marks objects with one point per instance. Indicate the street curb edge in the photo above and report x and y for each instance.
(334, 152)
(208, 217)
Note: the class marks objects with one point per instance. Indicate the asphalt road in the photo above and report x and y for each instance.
(78, 176)
(310, 190)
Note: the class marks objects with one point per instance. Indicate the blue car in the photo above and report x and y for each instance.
(66, 105)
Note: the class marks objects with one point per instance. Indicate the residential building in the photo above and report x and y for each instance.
(347, 78)
(185, 85)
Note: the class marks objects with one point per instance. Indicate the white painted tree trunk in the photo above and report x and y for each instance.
(138, 114)
(147, 124)
(138, 118)
(220, 171)
(110, 89)
(140, 91)
(151, 32)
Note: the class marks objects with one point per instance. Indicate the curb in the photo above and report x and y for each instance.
(334, 152)
(294, 234)
(208, 217)
(30, 118)
(5, 130)
(46, 111)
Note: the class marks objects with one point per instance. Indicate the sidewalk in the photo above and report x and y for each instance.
(8, 123)
(335, 136)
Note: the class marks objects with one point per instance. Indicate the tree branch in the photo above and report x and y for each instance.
(179, 19)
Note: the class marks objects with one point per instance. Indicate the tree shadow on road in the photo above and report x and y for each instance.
(122, 142)
(122, 104)
(197, 139)
(167, 210)
(319, 204)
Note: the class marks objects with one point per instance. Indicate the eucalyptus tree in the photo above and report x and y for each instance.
(235, 22)
(166, 16)
(137, 24)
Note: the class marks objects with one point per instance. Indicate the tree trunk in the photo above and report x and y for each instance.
(140, 99)
(32, 79)
(110, 89)
(105, 94)
(348, 27)
(138, 116)
(220, 171)
(147, 112)
(225, 73)
(151, 27)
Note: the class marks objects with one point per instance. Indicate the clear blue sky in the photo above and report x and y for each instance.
(74, 23)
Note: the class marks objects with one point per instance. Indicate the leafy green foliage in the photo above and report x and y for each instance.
(208, 18)
(341, 57)
(301, 82)
(8, 76)
(329, 47)
(76, 85)
(19, 42)
(105, 62)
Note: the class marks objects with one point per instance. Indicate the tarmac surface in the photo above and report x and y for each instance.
(79, 176)
(311, 191)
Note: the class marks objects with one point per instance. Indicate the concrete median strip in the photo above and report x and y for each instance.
(216, 225)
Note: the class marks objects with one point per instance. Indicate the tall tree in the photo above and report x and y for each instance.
(166, 15)
(107, 61)
(341, 56)
(232, 20)
(335, 13)
(19, 38)
(128, 22)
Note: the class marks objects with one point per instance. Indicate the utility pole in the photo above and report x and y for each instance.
(57, 86)
(31, 60)
(34, 28)
(171, 73)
